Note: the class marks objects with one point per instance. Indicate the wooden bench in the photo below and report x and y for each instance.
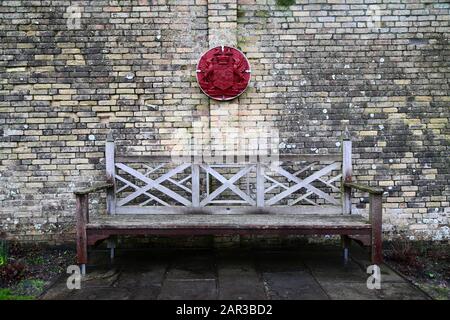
(300, 195)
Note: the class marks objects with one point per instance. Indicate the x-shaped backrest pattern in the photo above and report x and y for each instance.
(267, 173)
(302, 183)
(153, 184)
(227, 184)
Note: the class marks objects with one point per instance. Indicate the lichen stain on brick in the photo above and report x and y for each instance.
(285, 3)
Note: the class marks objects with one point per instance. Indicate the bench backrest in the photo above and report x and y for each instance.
(157, 184)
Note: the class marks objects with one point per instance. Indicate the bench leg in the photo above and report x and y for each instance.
(111, 245)
(377, 251)
(82, 217)
(345, 240)
(377, 232)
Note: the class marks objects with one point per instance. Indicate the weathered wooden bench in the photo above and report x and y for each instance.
(300, 195)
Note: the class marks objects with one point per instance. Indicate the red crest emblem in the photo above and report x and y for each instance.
(223, 73)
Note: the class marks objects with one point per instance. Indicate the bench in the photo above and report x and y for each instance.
(301, 194)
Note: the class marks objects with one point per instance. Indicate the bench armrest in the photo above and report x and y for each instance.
(364, 188)
(82, 205)
(375, 216)
(94, 188)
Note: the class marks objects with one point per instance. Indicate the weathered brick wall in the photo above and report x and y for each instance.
(380, 67)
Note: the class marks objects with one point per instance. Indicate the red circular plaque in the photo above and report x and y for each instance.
(223, 73)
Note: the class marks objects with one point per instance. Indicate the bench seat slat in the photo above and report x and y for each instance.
(230, 209)
(228, 221)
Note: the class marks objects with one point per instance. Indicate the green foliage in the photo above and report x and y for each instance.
(6, 294)
(30, 287)
(405, 251)
(285, 3)
(36, 260)
(12, 272)
(3, 253)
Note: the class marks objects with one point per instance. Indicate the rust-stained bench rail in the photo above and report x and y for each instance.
(297, 194)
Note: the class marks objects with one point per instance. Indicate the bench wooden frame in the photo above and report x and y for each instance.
(250, 214)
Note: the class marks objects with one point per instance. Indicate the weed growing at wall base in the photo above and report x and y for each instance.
(3, 252)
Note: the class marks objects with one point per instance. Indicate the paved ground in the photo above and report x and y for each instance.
(310, 272)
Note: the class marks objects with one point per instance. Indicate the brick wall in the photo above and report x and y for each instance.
(380, 67)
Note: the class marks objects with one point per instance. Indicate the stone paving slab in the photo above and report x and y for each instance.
(334, 270)
(239, 282)
(293, 285)
(399, 291)
(312, 272)
(189, 289)
(148, 292)
(137, 278)
(192, 266)
(348, 291)
(102, 294)
(101, 278)
(279, 261)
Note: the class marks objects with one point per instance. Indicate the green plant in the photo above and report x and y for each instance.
(405, 252)
(3, 253)
(12, 273)
(6, 294)
(36, 260)
(29, 287)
